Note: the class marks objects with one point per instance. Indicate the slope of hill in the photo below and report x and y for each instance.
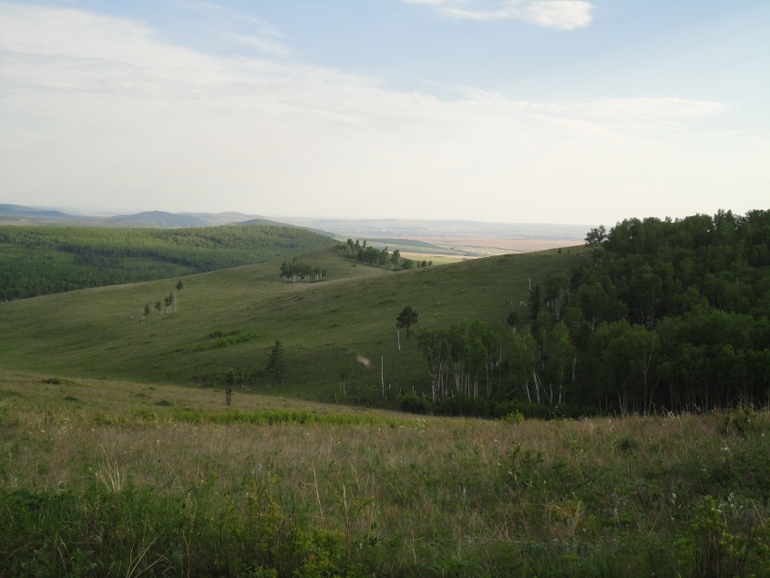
(340, 336)
(41, 260)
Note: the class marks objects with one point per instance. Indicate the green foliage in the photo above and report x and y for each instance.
(740, 420)
(685, 306)
(141, 532)
(275, 363)
(413, 403)
(514, 417)
(715, 550)
(40, 260)
(407, 318)
(220, 339)
(663, 314)
(378, 257)
(297, 271)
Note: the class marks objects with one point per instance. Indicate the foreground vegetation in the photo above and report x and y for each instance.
(105, 478)
(40, 260)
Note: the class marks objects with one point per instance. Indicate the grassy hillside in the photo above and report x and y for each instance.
(105, 478)
(42, 260)
(324, 326)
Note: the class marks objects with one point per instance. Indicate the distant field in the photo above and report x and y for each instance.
(133, 479)
(454, 248)
(407, 246)
(487, 246)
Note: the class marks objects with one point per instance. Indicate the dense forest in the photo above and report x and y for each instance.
(40, 260)
(660, 315)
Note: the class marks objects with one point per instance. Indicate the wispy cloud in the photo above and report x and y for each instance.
(90, 104)
(211, 9)
(242, 30)
(558, 14)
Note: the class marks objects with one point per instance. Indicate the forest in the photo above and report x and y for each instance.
(40, 260)
(660, 315)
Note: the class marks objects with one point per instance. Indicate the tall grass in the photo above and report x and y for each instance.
(196, 492)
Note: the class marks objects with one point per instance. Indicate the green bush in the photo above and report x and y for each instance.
(413, 404)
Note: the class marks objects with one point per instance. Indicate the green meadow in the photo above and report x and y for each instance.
(327, 327)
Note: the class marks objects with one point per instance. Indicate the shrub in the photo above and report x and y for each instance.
(413, 404)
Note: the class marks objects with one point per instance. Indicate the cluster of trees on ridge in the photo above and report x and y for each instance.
(298, 271)
(41, 260)
(660, 315)
(378, 257)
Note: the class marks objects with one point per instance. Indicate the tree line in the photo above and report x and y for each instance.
(659, 315)
(378, 257)
(298, 271)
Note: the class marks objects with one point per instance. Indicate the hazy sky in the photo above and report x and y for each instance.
(493, 110)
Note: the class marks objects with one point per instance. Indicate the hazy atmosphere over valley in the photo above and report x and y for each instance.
(516, 111)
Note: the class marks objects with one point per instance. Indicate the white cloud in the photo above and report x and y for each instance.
(559, 14)
(98, 111)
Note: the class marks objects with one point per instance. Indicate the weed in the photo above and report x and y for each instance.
(627, 444)
(111, 475)
(739, 421)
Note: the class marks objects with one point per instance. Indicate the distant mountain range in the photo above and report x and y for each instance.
(162, 219)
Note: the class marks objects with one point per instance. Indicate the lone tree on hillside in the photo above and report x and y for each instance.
(179, 285)
(407, 318)
(275, 362)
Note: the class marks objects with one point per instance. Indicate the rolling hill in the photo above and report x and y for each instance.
(40, 260)
(230, 318)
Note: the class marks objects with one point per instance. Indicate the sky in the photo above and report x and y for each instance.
(519, 111)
